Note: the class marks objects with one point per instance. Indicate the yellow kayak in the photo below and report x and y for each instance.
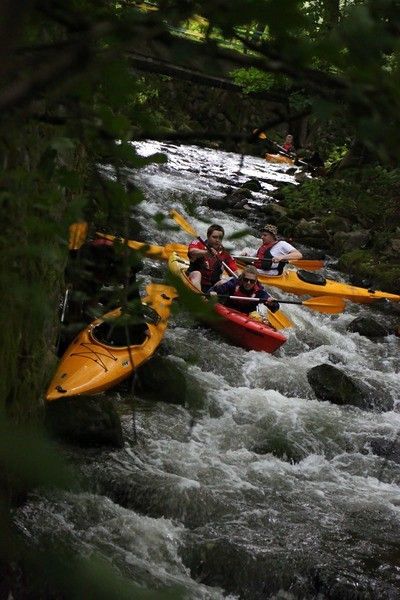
(99, 358)
(302, 283)
(279, 158)
(305, 283)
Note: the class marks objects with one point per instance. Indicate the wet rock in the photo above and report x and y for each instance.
(368, 327)
(389, 449)
(85, 421)
(386, 307)
(252, 184)
(281, 447)
(164, 379)
(332, 384)
(230, 200)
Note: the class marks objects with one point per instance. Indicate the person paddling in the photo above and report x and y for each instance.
(288, 144)
(273, 253)
(245, 286)
(207, 258)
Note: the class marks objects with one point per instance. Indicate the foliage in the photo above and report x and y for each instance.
(356, 196)
(253, 80)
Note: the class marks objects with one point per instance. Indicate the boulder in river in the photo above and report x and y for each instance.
(165, 379)
(368, 327)
(230, 200)
(85, 421)
(252, 184)
(333, 384)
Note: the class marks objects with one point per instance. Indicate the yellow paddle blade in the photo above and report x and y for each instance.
(77, 235)
(279, 320)
(181, 221)
(326, 304)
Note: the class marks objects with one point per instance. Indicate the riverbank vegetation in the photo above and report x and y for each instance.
(69, 87)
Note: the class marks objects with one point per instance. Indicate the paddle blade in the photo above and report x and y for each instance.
(326, 304)
(279, 320)
(77, 235)
(183, 224)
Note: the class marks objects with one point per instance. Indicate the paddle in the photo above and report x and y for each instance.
(277, 319)
(311, 265)
(323, 304)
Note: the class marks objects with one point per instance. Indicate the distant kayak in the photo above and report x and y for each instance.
(279, 158)
(100, 357)
(238, 327)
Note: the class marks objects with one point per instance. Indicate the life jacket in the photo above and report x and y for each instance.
(241, 305)
(210, 267)
(265, 259)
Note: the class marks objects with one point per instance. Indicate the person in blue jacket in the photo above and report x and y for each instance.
(245, 286)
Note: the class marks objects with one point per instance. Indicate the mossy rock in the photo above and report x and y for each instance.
(360, 260)
(299, 212)
(336, 223)
(387, 277)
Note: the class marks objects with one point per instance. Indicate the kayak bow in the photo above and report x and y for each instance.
(98, 358)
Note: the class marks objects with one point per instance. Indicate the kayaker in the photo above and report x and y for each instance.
(207, 258)
(245, 286)
(273, 253)
(288, 144)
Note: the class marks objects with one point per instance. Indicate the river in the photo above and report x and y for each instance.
(258, 490)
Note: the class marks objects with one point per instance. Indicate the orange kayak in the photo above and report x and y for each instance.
(279, 158)
(99, 357)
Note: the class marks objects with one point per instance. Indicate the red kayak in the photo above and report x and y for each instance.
(241, 329)
(246, 332)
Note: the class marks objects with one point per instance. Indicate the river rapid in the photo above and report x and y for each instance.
(251, 488)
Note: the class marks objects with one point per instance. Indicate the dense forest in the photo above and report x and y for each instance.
(80, 80)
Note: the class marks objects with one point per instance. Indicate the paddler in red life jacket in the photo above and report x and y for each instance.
(245, 286)
(288, 145)
(274, 253)
(206, 259)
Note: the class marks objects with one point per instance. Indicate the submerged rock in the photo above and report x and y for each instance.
(389, 449)
(368, 327)
(85, 421)
(332, 384)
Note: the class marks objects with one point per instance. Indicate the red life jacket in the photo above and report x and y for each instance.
(264, 254)
(241, 305)
(210, 267)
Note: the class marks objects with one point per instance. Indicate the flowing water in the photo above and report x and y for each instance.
(257, 490)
